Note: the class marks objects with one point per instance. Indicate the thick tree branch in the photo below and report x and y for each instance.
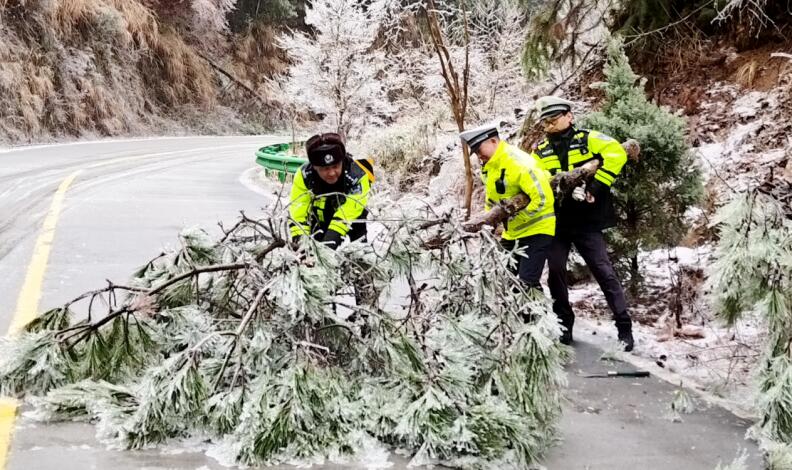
(196, 271)
(562, 184)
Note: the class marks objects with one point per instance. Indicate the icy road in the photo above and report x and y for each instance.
(72, 216)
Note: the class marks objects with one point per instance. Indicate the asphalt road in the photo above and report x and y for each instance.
(129, 201)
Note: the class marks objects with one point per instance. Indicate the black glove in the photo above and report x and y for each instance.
(332, 239)
(597, 189)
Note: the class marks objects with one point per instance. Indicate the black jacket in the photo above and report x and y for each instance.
(571, 149)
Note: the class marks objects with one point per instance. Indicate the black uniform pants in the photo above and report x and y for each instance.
(591, 246)
(529, 266)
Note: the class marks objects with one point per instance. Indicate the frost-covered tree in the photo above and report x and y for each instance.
(336, 68)
(497, 31)
(752, 273)
(487, 34)
(412, 74)
(414, 79)
(279, 352)
(651, 195)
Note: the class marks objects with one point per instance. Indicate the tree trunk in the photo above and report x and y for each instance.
(457, 92)
(468, 176)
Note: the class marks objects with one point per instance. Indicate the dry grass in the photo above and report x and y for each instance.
(128, 21)
(256, 60)
(257, 56)
(678, 53)
(178, 74)
(101, 66)
(25, 90)
(746, 74)
(69, 17)
(141, 24)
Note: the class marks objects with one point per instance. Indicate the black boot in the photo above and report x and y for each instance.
(566, 334)
(625, 334)
(566, 337)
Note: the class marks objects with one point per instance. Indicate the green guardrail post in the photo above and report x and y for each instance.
(278, 161)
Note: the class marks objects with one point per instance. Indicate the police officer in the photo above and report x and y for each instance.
(330, 193)
(583, 216)
(507, 171)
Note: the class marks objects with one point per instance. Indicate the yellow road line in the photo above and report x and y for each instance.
(8, 409)
(28, 301)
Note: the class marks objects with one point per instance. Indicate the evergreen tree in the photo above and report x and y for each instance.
(752, 272)
(651, 195)
(265, 11)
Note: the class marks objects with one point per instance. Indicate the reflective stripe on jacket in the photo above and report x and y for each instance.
(509, 172)
(572, 149)
(316, 206)
(585, 146)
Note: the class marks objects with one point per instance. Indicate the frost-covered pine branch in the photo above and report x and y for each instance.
(752, 272)
(278, 351)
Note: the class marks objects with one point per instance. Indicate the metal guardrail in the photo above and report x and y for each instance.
(279, 161)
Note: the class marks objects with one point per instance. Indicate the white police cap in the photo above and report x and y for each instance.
(476, 136)
(549, 106)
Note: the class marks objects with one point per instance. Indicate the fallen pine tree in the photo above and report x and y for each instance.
(250, 341)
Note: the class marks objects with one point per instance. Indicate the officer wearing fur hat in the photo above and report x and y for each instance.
(330, 193)
(583, 216)
(507, 171)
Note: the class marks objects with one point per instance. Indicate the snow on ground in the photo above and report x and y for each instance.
(739, 144)
(705, 353)
(372, 456)
(742, 136)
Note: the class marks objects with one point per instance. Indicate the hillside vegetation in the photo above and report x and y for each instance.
(111, 67)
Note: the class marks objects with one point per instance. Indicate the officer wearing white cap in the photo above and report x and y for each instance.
(583, 217)
(330, 193)
(507, 171)
(474, 137)
(552, 106)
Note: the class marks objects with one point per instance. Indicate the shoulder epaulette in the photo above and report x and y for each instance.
(544, 149)
(580, 141)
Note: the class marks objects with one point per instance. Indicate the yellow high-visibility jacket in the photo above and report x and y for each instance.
(585, 146)
(316, 206)
(509, 172)
(572, 149)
